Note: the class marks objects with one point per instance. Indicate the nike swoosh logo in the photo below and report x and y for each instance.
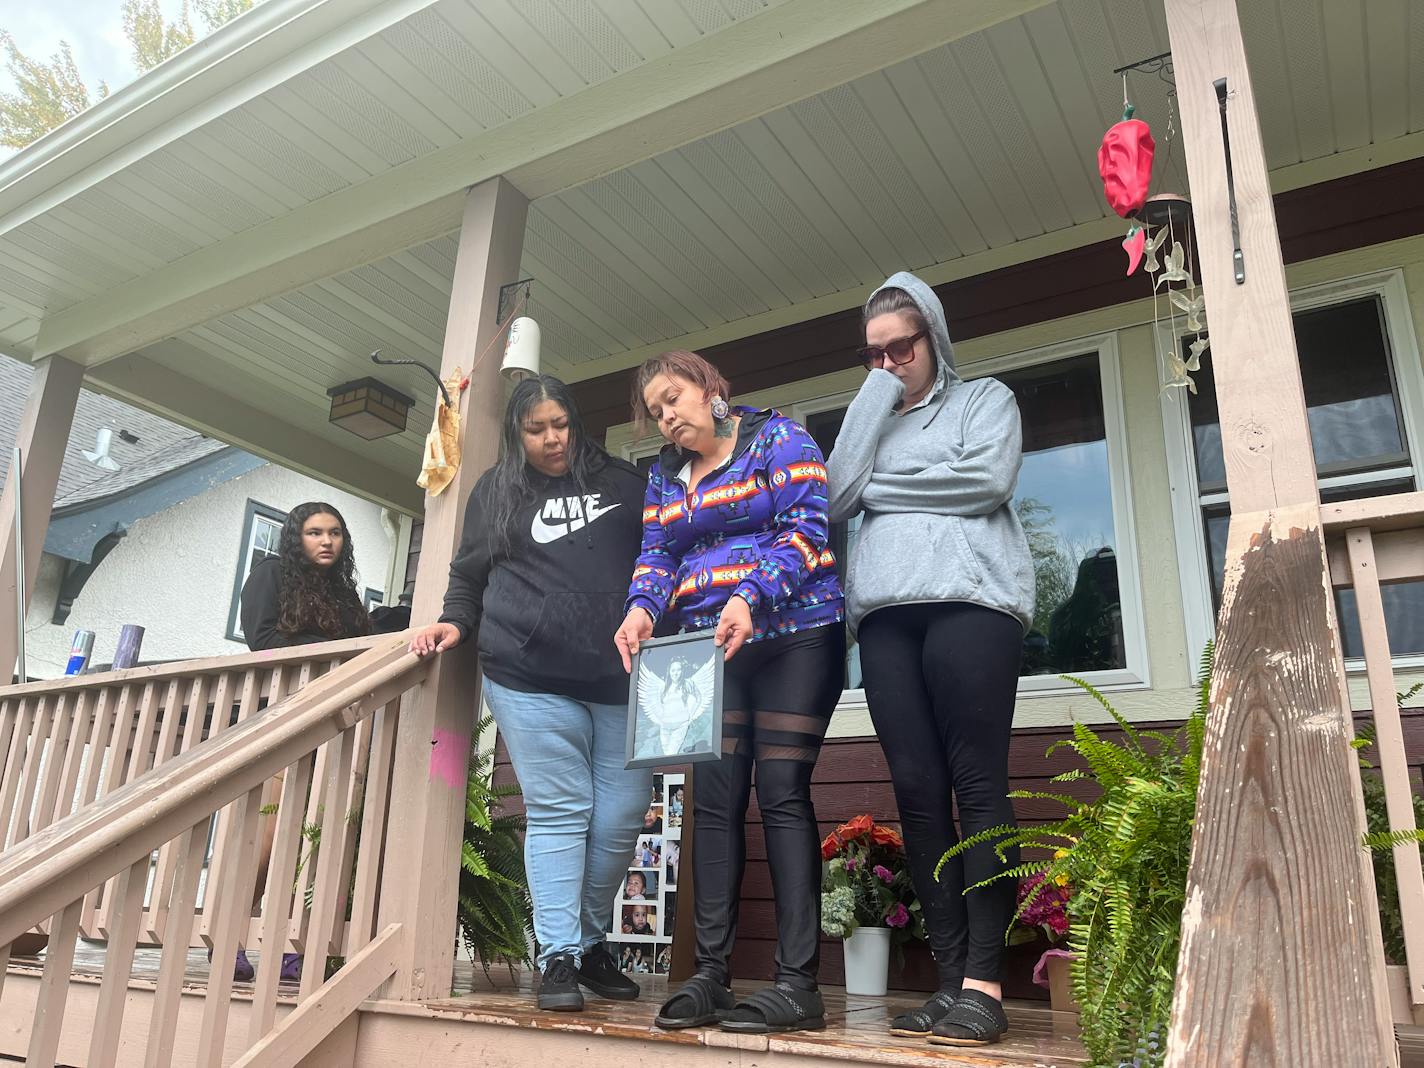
(561, 516)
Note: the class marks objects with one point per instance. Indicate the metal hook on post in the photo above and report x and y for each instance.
(376, 358)
(1238, 262)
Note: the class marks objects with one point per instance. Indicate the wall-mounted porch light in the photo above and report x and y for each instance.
(369, 408)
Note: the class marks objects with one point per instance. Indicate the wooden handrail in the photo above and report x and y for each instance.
(59, 864)
(156, 673)
(1398, 511)
(1399, 555)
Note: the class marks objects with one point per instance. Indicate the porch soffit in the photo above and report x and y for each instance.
(377, 124)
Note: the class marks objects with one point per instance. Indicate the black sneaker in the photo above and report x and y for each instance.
(599, 972)
(558, 989)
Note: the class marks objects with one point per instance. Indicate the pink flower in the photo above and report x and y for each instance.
(883, 873)
(899, 916)
(852, 863)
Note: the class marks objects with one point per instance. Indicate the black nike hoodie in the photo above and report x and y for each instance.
(547, 607)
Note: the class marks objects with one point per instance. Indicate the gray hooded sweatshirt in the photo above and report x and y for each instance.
(935, 483)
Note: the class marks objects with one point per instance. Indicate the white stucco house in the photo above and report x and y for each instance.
(167, 536)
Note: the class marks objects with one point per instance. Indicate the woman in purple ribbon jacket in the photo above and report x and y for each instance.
(735, 538)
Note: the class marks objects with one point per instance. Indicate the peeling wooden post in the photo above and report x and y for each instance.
(43, 434)
(421, 876)
(1281, 961)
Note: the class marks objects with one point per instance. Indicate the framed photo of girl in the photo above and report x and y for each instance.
(675, 701)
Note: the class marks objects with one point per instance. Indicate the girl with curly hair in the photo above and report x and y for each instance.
(307, 592)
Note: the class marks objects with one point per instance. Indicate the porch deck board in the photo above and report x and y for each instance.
(857, 1030)
(857, 1027)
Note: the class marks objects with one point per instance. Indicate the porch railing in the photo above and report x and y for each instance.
(112, 786)
(67, 742)
(1372, 543)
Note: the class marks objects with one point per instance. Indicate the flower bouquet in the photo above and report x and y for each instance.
(866, 882)
(1042, 906)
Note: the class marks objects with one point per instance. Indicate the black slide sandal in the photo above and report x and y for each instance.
(918, 1023)
(975, 1020)
(707, 999)
(776, 1009)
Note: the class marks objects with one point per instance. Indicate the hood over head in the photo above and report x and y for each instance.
(933, 312)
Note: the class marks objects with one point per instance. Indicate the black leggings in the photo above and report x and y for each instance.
(940, 680)
(778, 696)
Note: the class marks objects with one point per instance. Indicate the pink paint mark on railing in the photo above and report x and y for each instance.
(448, 757)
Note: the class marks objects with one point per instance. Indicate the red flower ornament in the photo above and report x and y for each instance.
(1125, 164)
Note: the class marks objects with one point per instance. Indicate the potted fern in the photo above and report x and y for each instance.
(495, 912)
(1124, 855)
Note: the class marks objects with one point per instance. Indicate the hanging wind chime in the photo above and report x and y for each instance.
(1125, 161)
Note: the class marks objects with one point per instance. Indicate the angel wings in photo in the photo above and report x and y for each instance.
(677, 702)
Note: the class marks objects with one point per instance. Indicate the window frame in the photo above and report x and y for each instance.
(1193, 556)
(1136, 675)
(253, 510)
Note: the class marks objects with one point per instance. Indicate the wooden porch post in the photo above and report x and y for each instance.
(432, 748)
(1281, 959)
(43, 434)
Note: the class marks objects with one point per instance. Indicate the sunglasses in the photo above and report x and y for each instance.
(900, 351)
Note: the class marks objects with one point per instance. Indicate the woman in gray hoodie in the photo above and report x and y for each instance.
(939, 594)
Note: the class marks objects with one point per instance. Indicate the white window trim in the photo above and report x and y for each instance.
(253, 511)
(1193, 563)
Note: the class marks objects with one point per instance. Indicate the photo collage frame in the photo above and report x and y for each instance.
(645, 912)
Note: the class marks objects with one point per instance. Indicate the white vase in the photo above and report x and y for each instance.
(867, 960)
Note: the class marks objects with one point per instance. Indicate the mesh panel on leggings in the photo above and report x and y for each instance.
(736, 733)
(789, 736)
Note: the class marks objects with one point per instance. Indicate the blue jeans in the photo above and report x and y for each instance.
(584, 810)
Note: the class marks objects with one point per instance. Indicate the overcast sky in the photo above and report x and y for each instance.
(93, 28)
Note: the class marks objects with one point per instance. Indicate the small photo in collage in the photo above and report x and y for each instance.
(649, 851)
(641, 886)
(640, 920)
(637, 959)
(675, 802)
(672, 860)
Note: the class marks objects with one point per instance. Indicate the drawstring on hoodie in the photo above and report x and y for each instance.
(583, 507)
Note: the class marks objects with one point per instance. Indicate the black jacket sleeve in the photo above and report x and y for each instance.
(470, 569)
(260, 608)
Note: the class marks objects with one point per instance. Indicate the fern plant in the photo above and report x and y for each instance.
(495, 911)
(1124, 856)
(1381, 840)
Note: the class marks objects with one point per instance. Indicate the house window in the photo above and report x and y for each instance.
(373, 599)
(1071, 499)
(261, 537)
(1358, 429)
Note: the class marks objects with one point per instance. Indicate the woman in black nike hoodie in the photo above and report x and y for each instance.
(550, 536)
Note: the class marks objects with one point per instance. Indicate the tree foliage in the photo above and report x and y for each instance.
(151, 37)
(47, 93)
(50, 92)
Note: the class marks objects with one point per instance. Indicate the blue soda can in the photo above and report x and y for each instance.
(79, 652)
